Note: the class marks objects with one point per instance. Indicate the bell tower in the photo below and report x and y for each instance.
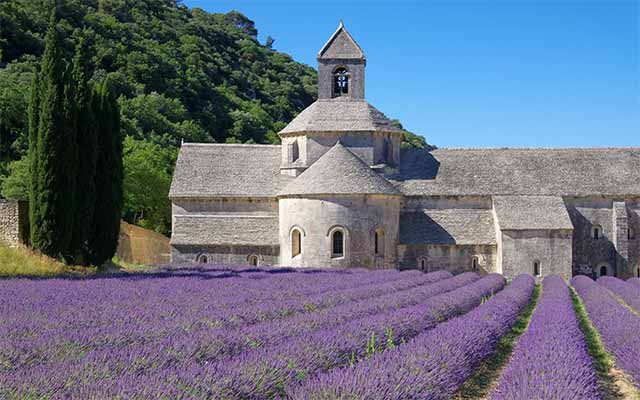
(341, 65)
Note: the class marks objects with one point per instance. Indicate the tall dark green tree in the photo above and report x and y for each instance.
(32, 155)
(56, 153)
(109, 175)
(87, 140)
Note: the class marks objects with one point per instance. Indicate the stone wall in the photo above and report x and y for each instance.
(521, 249)
(227, 255)
(590, 253)
(452, 258)
(358, 216)
(14, 223)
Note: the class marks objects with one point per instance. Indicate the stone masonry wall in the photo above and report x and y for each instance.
(224, 255)
(455, 259)
(14, 223)
(552, 249)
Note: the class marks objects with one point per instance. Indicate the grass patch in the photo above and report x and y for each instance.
(478, 386)
(610, 382)
(24, 262)
(20, 261)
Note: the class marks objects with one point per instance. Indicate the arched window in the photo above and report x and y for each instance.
(604, 269)
(340, 82)
(638, 272)
(296, 243)
(596, 232)
(378, 242)
(537, 271)
(202, 259)
(422, 264)
(631, 234)
(253, 260)
(474, 263)
(337, 244)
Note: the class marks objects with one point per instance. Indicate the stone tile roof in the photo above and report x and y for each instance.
(200, 230)
(454, 226)
(341, 114)
(556, 172)
(531, 212)
(338, 171)
(227, 170)
(341, 45)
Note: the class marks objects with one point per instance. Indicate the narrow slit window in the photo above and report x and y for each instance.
(253, 261)
(536, 269)
(296, 243)
(474, 264)
(596, 232)
(378, 242)
(337, 244)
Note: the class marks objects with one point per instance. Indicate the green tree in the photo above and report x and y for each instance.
(32, 155)
(56, 153)
(87, 140)
(109, 176)
(145, 166)
(16, 185)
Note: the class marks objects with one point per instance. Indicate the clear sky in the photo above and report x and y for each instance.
(480, 73)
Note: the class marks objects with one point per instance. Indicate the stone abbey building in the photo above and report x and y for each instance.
(341, 192)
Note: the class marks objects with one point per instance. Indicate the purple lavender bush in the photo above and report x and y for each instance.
(550, 360)
(267, 372)
(211, 345)
(634, 281)
(431, 366)
(626, 291)
(617, 325)
(105, 337)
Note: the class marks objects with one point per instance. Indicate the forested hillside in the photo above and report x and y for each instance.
(180, 74)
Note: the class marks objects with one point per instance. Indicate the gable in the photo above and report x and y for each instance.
(341, 45)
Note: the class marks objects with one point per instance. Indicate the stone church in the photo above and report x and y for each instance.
(341, 191)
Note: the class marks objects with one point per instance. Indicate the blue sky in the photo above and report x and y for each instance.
(481, 73)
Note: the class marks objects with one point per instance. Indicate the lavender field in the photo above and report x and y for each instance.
(218, 332)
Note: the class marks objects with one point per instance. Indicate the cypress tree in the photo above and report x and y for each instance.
(34, 105)
(87, 138)
(108, 178)
(56, 152)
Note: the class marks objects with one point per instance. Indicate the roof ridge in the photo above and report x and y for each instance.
(538, 148)
(229, 145)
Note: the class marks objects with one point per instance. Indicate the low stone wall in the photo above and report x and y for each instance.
(226, 255)
(14, 223)
(137, 245)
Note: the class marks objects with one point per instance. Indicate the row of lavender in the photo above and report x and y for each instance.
(612, 306)
(434, 364)
(90, 336)
(550, 360)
